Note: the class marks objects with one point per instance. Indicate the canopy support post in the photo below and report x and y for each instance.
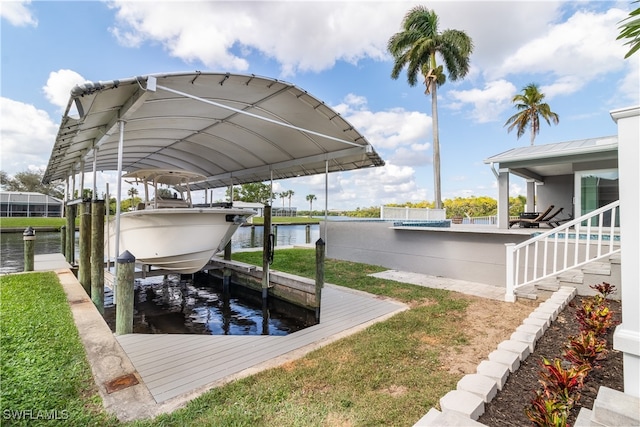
(118, 197)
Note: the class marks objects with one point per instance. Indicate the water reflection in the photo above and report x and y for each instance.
(203, 306)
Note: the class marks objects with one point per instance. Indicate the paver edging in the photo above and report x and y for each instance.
(545, 314)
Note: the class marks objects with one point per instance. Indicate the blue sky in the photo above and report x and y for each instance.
(337, 52)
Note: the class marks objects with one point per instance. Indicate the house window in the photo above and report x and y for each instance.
(595, 189)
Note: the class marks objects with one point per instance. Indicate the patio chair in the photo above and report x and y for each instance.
(549, 220)
(531, 219)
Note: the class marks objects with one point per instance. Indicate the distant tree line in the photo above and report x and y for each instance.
(30, 182)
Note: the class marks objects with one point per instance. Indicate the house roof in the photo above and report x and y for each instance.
(28, 197)
(556, 159)
(230, 128)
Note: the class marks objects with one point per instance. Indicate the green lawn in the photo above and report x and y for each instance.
(22, 222)
(389, 374)
(42, 362)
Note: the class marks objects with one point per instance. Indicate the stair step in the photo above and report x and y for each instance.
(600, 268)
(549, 284)
(528, 292)
(615, 408)
(572, 276)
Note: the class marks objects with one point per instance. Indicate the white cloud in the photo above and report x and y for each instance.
(27, 136)
(301, 36)
(375, 186)
(488, 103)
(583, 47)
(411, 156)
(59, 84)
(385, 129)
(17, 13)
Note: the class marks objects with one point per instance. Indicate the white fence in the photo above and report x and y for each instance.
(421, 214)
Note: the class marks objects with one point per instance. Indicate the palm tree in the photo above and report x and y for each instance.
(416, 47)
(282, 195)
(530, 108)
(310, 199)
(132, 193)
(630, 29)
(290, 194)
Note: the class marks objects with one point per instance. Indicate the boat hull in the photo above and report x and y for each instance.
(179, 240)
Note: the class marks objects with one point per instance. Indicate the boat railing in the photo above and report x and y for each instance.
(573, 244)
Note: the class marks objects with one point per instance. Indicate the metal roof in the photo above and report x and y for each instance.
(562, 158)
(28, 197)
(230, 128)
(559, 149)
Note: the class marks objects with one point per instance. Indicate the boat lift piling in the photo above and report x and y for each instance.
(267, 256)
(84, 263)
(97, 253)
(320, 246)
(70, 249)
(63, 240)
(124, 298)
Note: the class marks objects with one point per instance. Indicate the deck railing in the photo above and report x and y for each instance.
(563, 248)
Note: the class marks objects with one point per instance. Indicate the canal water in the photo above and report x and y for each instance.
(195, 306)
(201, 306)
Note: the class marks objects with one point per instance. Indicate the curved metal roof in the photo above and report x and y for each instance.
(230, 128)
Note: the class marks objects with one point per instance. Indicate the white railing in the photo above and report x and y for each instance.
(556, 251)
(404, 213)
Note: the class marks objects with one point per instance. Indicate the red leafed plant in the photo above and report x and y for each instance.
(561, 382)
(605, 289)
(552, 405)
(546, 411)
(594, 315)
(586, 348)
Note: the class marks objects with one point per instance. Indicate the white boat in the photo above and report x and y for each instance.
(170, 233)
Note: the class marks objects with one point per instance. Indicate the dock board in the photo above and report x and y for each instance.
(173, 365)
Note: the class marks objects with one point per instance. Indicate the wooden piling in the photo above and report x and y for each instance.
(63, 240)
(253, 236)
(29, 237)
(97, 254)
(227, 251)
(266, 251)
(307, 233)
(124, 297)
(84, 263)
(320, 246)
(70, 249)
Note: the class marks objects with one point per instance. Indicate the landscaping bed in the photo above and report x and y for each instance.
(508, 407)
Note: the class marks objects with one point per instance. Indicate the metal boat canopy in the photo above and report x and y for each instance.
(230, 128)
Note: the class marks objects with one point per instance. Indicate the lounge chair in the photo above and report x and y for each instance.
(549, 220)
(531, 219)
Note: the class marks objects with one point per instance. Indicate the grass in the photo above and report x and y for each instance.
(42, 361)
(389, 374)
(23, 222)
(258, 220)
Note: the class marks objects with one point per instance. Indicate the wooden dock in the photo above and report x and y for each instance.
(176, 365)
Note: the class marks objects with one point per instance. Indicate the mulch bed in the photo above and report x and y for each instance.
(507, 408)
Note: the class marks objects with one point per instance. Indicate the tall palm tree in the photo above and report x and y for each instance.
(290, 194)
(132, 193)
(530, 108)
(310, 199)
(416, 47)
